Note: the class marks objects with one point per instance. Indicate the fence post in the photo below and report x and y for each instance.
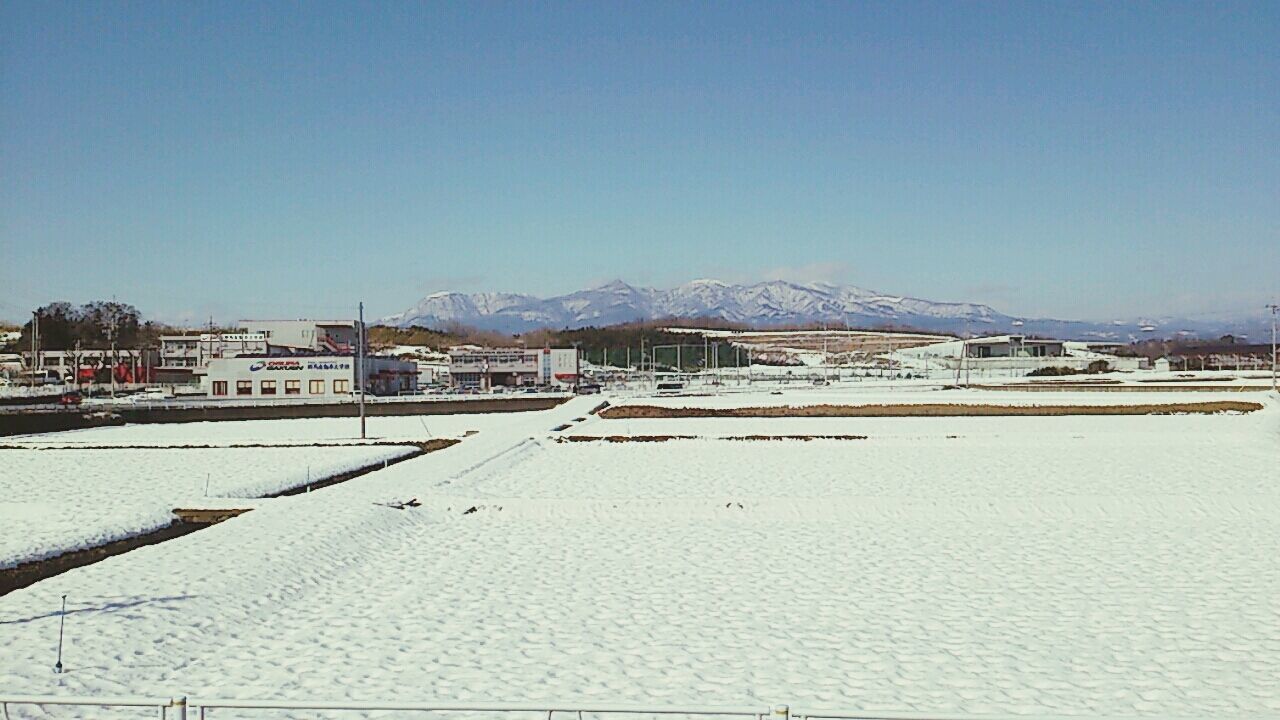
(781, 712)
(179, 708)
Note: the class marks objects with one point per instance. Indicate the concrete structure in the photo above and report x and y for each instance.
(433, 367)
(335, 337)
(484, 368)
(1014, 346)
(185, 358)
(1013, 355)
(311, 376)
(433, 372)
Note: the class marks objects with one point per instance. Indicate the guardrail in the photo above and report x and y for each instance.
(204, 707)
(177, 708)
(163, 705)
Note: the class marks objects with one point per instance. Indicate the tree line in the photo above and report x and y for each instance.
(93, 325)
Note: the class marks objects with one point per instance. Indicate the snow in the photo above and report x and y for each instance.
(55, 501)
(1069, 565)
(905, 393)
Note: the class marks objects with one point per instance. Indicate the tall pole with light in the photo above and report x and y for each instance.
(360, 367)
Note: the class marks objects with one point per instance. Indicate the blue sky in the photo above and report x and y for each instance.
(1061, 159)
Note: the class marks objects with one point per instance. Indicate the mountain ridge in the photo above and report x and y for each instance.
(770, 303)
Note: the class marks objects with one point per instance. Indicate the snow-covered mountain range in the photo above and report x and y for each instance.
(763, 304)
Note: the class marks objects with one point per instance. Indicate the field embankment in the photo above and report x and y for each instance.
(633, 412)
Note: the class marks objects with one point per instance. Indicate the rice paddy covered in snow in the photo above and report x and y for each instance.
(1112, 566)
(55, 500)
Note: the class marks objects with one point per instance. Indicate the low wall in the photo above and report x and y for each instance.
(214, 411)
(21, 423)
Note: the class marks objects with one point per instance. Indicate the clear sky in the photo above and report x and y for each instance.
(288, 159)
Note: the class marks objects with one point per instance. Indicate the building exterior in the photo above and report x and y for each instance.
(432, 372)
(335, 337)
(433, 367)
(1014, 346)
(92, 366)
(307, 376)
(1015, 355)
(185, 358)
(485, 368)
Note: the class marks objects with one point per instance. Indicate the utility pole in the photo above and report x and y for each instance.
(360, 367)
(577, 366)
(1275, 385)
(111, 332)
(35, 346)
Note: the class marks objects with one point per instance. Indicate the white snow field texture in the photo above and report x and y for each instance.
(54, 500)
(1094, 566)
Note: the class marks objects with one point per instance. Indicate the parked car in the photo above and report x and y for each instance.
(70, 398)
(589, 389)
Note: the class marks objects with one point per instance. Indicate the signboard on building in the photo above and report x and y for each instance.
(233, 337)
(291, 364)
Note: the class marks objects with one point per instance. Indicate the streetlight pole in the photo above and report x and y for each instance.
(360, 367)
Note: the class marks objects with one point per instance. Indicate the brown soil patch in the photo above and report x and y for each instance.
(628, 412)
(1098, 387)
(665, 438)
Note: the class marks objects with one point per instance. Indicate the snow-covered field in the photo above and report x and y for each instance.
(882, 394)
(54, 500)
(1101, 566)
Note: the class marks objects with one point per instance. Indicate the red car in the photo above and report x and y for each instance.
(70, 398)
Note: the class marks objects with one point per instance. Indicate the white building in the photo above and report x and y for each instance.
(185, 358)
(1013, 354)
(337, 337)
(485, 368)
(311, 376)
(433, 367)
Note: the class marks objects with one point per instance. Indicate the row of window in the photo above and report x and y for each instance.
(291, 387)
(494, 359)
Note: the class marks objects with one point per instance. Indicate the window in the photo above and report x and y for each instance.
(292, 387)
(315, 387)
(268, 387)
(244, 387)
(341, 386)
(219, 387)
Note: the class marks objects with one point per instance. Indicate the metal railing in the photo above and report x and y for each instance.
(177, 708)
(166, 707)
(204, 706)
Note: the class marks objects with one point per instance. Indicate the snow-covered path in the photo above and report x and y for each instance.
(1103, 566)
